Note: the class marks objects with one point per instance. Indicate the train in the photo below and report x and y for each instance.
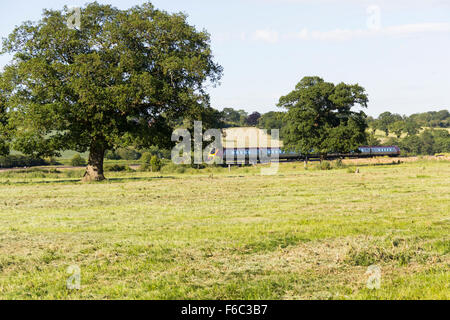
(262, 155)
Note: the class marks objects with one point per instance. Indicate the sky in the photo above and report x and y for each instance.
(398, 50)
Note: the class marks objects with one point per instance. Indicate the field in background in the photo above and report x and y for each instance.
(219, 234)
(382, 136)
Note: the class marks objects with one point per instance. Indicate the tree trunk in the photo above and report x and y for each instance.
(94, 170)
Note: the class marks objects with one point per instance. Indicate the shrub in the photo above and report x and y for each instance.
(155, 163)
(128, 154)
(156, 151)
(12, 161)
(116, 168)
(52, 161)
(78, 161)
(151, 163)
(169, 168)
(123, 154)
(339, 164)
(146, 158)
(112, 155)
(325, 165)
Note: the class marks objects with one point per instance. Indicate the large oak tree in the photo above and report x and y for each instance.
(4, 132)
(122, 73)
(320, 118)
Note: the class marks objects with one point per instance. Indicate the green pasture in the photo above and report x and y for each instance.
(228, 234)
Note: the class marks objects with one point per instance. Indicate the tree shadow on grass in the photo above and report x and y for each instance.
(78, 181)
(139, 179)
(394, 163)
(66, 181)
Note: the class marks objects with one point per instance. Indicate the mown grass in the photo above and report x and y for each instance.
(220, 234)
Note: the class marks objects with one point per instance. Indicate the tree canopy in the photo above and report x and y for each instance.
(4, 146)
(386, 120)
(231, 115)
(234, 118)
(435, 119)
(320, 118)
(271, 120)
(253, 119)
(122, 73)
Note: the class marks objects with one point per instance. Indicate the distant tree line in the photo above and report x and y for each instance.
(131, 153)
(396, 124)
(239, 118)
(428, 142)
(20, 161)
(418, 134)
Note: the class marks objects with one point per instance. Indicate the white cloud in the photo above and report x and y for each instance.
(269, 36)
(417, 28)
(399, 3)
(392, 31)
(302, 35)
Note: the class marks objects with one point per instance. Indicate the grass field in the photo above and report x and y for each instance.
(215, 234)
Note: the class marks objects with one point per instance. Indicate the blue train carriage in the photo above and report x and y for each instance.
(245, 155)
(370, 151)
(250, 155)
